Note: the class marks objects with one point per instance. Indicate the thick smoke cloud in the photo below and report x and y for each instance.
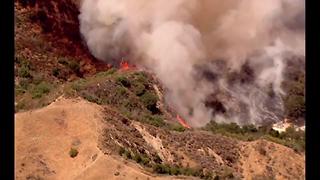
(208, 53)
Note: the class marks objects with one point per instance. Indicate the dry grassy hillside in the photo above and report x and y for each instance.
(45, 136)
(77, 118)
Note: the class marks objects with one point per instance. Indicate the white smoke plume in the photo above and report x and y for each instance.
(183, 40)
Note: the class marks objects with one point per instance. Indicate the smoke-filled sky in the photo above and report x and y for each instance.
(183, 40)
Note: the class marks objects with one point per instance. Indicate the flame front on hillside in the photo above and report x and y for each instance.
(183, 122)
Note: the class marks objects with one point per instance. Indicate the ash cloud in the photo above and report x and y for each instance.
(210, 53)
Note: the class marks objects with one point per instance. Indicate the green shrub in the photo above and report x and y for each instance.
(24, 83)
(120, 91)
(291, 133)
(40, 89)
(23, 86)
(141, 77)
(79, 84)
(73, 152)
(176, 170)
(106, 73)
(74, 66)
(155, 120)
(149, 99)
(63, 61)
(19, 90)
(274, 133)
(125, 152)
(225, 128)
(122, 80)
(137, 158)
(161, 168)
(157, 159)
(138, 88)
(91, 97)
(145, 160)
(249, 128)
(24, 72)
(121, 151)
(177, 127)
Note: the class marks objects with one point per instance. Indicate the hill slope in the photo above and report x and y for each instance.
(44, 138)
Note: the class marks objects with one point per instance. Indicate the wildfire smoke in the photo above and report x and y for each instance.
(232, 51)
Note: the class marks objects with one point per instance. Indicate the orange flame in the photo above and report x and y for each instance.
(124, 65)
(183, 122)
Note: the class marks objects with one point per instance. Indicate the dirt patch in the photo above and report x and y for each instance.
(43, 139)
(264, 159)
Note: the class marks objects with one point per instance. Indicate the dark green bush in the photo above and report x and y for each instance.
(19, 90)
(127, 154)
(161, 168)
(120, 91)
(176, 127)
(137, 158)
(249, 128)
(121, 151)
(73, 152)
(24, 83)
(122, 80)
(155, 120)
(63, 61)
(157, 159)
(23, 86)
(107, 73)
(138, 88)
(24, 72)
(40, 90)
(74, 66)
(56, 72)
(141, 77)
(91, 97)
(145, 160)
(79, 84)
(149, 99)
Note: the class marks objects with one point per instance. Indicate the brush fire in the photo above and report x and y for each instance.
(236, 51)
(124, 65)
(183, 122)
